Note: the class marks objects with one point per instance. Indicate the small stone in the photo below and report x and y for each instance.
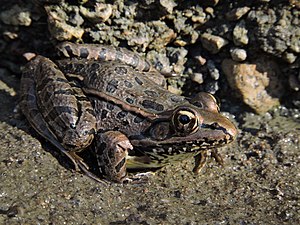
(200, 59)
(257, 84)
(213, 43)
(212, 70)
(237, 13)
(29, 55)
(212, 87)
(10, 35)
(210, 11)
(240, 34)
(238, 54)
(197, 77)
(174, 90)
(101, 12)
(180, 43)
(168, 5)
(289, 57)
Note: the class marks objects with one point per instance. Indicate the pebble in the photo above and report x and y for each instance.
(240, 34)
(213, 43)
(197, 77)
(237, 13)
(212, 70)
(100, 13)
(238, 54)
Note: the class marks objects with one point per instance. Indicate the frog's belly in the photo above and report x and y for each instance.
(155, 161)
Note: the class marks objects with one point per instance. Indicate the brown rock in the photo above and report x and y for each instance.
(256, 83)
(213, 43)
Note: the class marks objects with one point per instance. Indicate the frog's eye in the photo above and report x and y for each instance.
(185, 121)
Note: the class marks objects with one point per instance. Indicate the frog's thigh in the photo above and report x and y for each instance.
(111, 151)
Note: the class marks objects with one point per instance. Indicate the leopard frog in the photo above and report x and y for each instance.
(113, 103)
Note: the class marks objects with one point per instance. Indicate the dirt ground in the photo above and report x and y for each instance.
(259, 183)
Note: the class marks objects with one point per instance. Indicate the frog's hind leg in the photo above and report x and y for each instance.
(31, 111)
(104, 53)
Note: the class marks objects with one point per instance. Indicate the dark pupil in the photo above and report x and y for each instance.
(184, 119)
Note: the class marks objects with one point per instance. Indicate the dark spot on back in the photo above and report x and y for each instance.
(95, 66)
(110, 106)
(69, 50)
(84, 53)
(138, 119)
(148, 104)
(138, 81)
(79, 67)
(121, 114)
(129, 100)
(121, 70)
(151, 93)
(128, 84)
(112, 86)
(104, 114)
(176, 98)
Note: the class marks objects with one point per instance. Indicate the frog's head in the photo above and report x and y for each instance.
(188, 128)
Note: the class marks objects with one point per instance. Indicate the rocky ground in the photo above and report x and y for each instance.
(224, 47)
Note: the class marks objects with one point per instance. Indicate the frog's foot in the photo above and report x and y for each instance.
(217, 156)
(111, 151)
(139, 178)
(200, 161)
(80, 165)
(201, 158)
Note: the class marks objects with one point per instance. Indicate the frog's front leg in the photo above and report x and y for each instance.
(111, 150)
(201, 158)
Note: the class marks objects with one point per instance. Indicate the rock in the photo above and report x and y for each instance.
(238, 54)
(240, 34)
(289, 57)
(257, 84)
(237, 13)
(16, 16)
(212, 70)
(58, 27)
(213, 43)
(197, 77)
(177, 58)
(168, 5)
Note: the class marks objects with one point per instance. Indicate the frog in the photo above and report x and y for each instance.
(114, 103)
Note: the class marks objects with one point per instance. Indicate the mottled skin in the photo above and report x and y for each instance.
(134, 121)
